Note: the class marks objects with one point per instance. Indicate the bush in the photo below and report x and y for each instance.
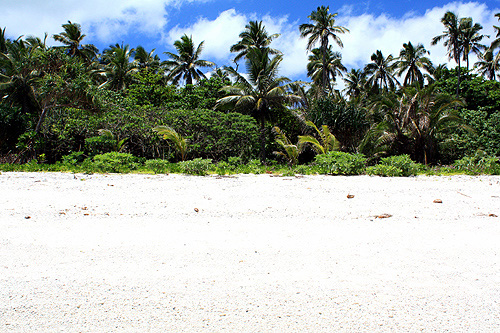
(100, 144)
(402, 162)
(115, 162)
(73, 159)
(384, 171)
(480, 163)
(198, 166)
(158, 166)
(340, 163)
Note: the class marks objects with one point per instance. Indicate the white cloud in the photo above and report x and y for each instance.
(102, 20)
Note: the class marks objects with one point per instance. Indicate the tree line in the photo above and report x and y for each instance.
(71, 98)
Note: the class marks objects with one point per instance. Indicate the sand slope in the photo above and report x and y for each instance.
(135, 253)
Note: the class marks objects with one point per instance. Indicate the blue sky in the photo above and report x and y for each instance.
(373, 25)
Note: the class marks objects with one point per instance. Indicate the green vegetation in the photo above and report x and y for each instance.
(72, 108)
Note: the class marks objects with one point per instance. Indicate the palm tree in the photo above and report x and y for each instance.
(146, 60)
(412, 121)
(3, 41)
(254, 36)
(355, 82)
(184, 65)
(411, 60)
(471, 38)
(326, 143)
(452, 39)
(72, 38)
(488, 64)
(262, 94)
(333, 66)
(118, 68)
(380, 72)
(321, 30)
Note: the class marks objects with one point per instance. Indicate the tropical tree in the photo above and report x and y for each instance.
(180, 142)
(452, 38)
(3, 41)
(72, 38)
(289, 151)
(254, 36)
(471, 38)
(380, 72)
(118, 68)
(146, 60)
(412, 60)
(413, 122)
(316, 66)
(321, 29)
(263, 94)
(185, 65)
(326, 142)
(355, 82)
(488, 64)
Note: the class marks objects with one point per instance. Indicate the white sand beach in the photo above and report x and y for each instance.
(174, 253)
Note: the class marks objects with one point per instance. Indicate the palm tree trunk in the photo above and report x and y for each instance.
(324, 46)
(262, 141)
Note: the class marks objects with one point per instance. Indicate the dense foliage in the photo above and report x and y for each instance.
(98, 111)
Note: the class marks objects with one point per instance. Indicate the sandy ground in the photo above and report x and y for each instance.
(170, 253)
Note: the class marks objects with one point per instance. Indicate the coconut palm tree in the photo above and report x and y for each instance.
(471, 38)
(412, 60)
(262, 94)
(355, 82)
(145, 60)
(118, 69)
(185, 64)
(321, 29)
(488, 64)
(333, 66)
(452, 38)
(72, 38)
(254, 36)
(380, 72)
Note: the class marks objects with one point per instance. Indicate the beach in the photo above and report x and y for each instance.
(248, 253)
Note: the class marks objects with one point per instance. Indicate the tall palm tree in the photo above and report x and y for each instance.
(411, 60)
(380, 72)
(471, 38)
(316, 66)
(321, 29)
(118, 68)
(452, 39)
(254, 36)
(262, 94)
(185, 64)
(72, 38)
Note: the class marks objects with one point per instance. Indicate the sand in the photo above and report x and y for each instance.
(173, 253)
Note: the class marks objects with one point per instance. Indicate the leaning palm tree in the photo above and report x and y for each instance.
(316, 66)
(72, 38)
(326, 143)
(321, 29)
(254, 36)
(180, 142)
(380, 72)
(262, 94)
(185, 64)
(412, 60)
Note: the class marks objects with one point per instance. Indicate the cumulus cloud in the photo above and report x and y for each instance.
(104, 21)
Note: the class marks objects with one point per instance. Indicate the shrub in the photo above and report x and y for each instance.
(340, 163)
(115, 162)
(198, 166)
(73, 158)
(384, 171)
(402, 162)
(480, 163)
(158, 165)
